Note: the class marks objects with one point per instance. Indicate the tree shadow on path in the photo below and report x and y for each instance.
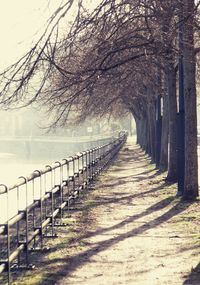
(118, 200)
(78, 260)
(194, 276)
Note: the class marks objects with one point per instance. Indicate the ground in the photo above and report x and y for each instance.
(129, 228)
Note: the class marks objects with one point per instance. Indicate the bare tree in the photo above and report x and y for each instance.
(107, 62)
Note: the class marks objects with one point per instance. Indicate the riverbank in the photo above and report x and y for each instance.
(130, 229)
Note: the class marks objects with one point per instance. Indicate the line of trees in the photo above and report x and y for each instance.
(122, 56)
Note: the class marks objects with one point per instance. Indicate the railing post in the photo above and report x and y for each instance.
(26, 242)
(8, 235)
(87, 166)
(52, 201)
(18, 226)
(41, 207)
(61, 189)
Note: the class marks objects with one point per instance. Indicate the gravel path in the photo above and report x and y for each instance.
(129, 230)
(139, 232)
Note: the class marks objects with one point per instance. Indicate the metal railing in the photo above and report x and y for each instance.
(35, 205)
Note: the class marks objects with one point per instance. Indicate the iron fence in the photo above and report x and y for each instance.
(35, 205)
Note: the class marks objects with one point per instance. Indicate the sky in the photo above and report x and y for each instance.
(21, 23)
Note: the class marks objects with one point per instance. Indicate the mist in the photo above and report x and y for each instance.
(26, 143)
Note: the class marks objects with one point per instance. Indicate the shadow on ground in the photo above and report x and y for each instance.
(64, 264)
(194, 276)
(71, 263)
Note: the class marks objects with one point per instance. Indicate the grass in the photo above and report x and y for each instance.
(67, 243)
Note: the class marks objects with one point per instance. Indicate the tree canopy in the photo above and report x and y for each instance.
(121, 56)
(107, 49)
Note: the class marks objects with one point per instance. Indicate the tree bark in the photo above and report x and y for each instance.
(141, 126)
(158, 130)
(172, 105)
(189, 68)
(152, 129)
(163, 165)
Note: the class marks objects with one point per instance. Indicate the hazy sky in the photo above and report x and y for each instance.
(22, 21)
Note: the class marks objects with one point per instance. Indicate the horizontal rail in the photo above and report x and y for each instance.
(46, 193)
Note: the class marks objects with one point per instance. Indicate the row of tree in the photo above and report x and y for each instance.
(135, 56)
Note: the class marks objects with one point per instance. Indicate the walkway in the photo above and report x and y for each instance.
(132, 230)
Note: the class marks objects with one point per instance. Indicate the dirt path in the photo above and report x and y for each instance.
(132, 230)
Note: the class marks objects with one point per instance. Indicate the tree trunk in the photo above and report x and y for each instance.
(144, 133)
(172, 104)
(189, 67)
(152, 129)
(163, 165)
(137, 131)
(158, 130)
(141, 126)
(181, 113)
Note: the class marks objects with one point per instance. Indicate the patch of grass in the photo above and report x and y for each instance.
(38, 279)
(170, 198)
(69, 221)
(67, 243)
(31, 279)
(196, 237)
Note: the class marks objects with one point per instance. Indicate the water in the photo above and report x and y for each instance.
(22, 157)
(23, 162)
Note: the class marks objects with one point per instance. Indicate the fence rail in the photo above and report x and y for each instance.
(35, 205)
